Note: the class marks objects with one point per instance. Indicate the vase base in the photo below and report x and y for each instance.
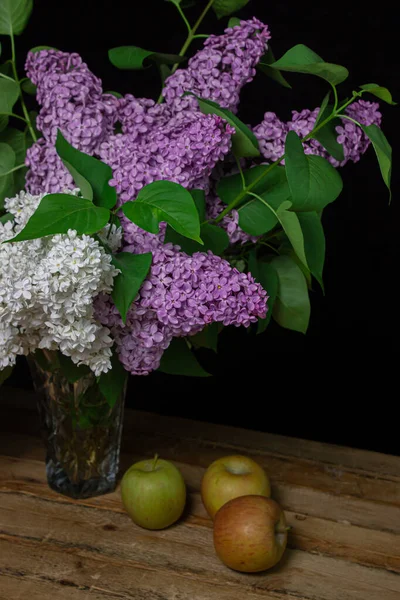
(59, 481)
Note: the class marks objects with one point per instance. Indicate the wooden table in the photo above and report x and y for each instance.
(343, 505)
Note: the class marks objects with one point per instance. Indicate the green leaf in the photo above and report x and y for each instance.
(164, 72)
(275, 74)
(178, 359)
(267, 276)
(301, 59)
(6, 217)
(256, 216)
(29, 87)
(291, 226)
(14, 15)
(313, 181)
(7, 188)
(134, 269)
(165, 201)
(3, 122)
(133, 58)
(323, 110)
(116, 94)
(292, 305)
(5, 374)
(214, 238)
(207, 337)
(92, 172)
(327, 136)
(199, 198)
(233, 22)
(7, 158)
(383, 152)
(380, 92)
(39, 48)
(70, 370)
(314, 243)
(19, 141)
(223, 8)
(112, 384)
(244, 142)
(9, 94)
(57, 213)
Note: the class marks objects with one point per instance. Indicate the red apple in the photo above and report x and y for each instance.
(230, 477)
(153, 493)
(250, 533)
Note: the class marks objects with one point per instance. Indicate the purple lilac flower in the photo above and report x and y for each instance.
(72, 100)
(138, 116)
(271, 132)
(230, 222)
(40, 64)
(46, 171)
(180, 296)
(219, 71)
(183, 150)
(84, 126)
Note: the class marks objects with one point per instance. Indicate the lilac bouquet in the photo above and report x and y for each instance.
(133, 230)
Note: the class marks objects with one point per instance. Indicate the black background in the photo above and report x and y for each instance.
(339, 382)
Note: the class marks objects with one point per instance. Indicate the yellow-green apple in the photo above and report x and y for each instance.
(250, 533)
(153, 493)
(230, 477)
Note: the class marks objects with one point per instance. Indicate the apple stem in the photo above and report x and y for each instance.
(155, 461)
(283, 529)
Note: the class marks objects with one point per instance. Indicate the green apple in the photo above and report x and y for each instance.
(153, 493)
(230, 477)
(250, 533)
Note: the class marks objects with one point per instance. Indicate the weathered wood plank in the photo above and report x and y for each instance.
(311, 500)
(309, 533)
(343, 505)
(19, 586)
(155, 556)
(78, 568)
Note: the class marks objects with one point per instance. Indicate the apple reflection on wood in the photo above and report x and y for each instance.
(250, 533)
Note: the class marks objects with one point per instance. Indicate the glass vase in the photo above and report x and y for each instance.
(81, 431)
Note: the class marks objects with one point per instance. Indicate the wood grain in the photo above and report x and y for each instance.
(343, 506)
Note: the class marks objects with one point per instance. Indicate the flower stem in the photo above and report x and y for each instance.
(191, 35)
(184, 18)
(6, 77)
(21, 97)
(12, 170)
(192, 32)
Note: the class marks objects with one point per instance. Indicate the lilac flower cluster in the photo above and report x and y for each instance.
(176, 142)
(180, 297)
(46, 171)
(182, 149)
(72, 99)
(271, 132)
(225, 64)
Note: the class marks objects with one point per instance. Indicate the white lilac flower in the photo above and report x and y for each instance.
(47, 289)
